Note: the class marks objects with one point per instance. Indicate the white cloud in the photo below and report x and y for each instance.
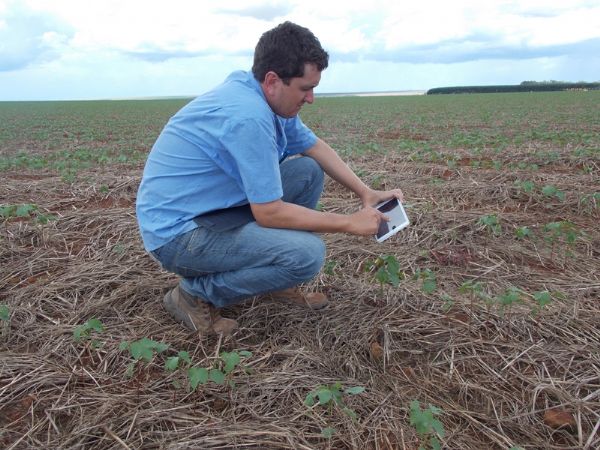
(135, 47)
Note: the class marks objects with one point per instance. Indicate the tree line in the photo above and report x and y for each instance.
(525, 86)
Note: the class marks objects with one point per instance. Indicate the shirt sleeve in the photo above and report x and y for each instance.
(250, 152)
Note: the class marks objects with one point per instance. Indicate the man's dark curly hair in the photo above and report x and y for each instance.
(285, 50)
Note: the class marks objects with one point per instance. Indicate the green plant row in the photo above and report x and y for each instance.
(25, 210)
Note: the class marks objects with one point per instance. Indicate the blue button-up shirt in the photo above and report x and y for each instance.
(222, 149)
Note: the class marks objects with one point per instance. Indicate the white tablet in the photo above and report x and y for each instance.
(398, 219)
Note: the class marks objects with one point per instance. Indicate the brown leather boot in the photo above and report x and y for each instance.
(196, 314)
(312, 300)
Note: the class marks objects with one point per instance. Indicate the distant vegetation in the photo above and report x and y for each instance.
(525, 86)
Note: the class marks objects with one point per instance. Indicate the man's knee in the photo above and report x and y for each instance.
(308, 257)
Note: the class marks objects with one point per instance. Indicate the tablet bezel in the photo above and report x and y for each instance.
(398, 219)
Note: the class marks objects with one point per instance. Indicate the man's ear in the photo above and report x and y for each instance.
(271, 81)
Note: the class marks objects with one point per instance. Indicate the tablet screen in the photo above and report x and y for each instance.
(398, 219)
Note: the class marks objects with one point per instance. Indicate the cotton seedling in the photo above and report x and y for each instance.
(4, 318)
(562, 231)
(526, 186)
(221, 372)
(491, 223)
(387, 270)
(428, 427)
(508, 298)
(429, 280)
(332, 396)
(174, 362)
(142, 350)
(84, 332)
(329, 267)
(182, 359)
(475, 290)
(590, 202)
(544, 298)
(4, 313)
(553, 192)
(523, 232)
(26, 210)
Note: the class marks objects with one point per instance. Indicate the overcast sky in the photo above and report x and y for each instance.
(89, 49)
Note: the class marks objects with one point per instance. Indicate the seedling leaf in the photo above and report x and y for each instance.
(197, 375)
(354, 390)
(325, 396)
(328, 432)
(310, 399)
(25, 210)
(217, 376)
(4, 313)
(231, 360)
(172, 363)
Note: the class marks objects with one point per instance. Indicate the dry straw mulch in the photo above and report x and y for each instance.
(497, 374)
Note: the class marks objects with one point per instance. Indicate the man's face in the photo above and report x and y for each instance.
(286, 100)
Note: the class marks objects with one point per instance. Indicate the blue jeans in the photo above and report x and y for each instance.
(226, 267)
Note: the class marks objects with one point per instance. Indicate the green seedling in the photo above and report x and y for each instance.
(544, 298)
(475, 290)
(332, 396)
(26, 210)
(429, 280)
(563, 231)
(429, 429)
(378, 182)
(510, 296)
(4, 313)
(590, 202)
(448, 302)
(491, 223)
(523, 232)
(329, 267)
(4, 319)
(526, 186)
(221, 372)
(142, 350)
(387, 270)
(327, 432)
(552, 191)
(84, 332)
(174, 362)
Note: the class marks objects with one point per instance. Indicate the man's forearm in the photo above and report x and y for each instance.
(336, 168)
(279, 214)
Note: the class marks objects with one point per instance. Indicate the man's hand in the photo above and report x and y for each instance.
(373, 198)
(365, 221)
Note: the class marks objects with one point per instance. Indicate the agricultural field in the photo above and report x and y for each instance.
(477, 327)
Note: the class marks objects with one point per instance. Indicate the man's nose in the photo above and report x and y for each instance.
(309, 97)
